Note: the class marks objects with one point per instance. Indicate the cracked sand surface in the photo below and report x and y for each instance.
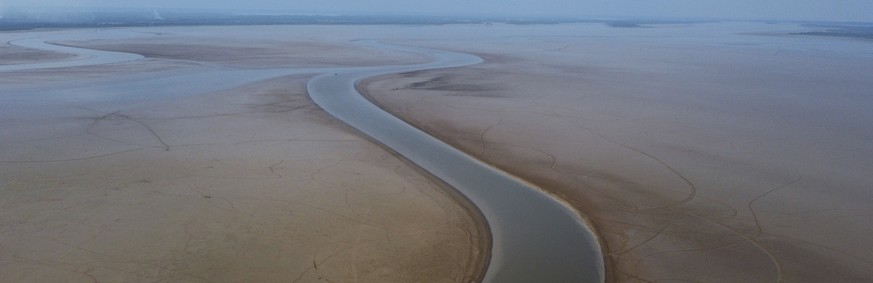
(253, 184)
(701, 153)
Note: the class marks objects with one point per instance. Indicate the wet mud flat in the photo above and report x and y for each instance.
(733, 152)
(107, 175)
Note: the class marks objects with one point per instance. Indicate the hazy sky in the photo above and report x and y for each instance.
(842, 10)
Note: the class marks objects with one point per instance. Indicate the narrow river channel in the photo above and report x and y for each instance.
(535, 237)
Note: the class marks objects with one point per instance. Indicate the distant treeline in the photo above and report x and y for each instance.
(858, 30)
(191, 19)
(19, 21)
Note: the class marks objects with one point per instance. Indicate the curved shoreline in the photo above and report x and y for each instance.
(535, 236)
(83, 56)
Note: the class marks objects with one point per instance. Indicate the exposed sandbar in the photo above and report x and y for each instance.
(252, 183)
(19, 55)
(700, 152)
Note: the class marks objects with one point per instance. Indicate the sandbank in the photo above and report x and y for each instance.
(723, 152)
(249, 183)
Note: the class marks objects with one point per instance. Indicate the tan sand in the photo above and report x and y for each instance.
(701, 153)
(18, 55)
(250, 184)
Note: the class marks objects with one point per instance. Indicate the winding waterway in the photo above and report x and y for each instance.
(84, 57)
(536, 238)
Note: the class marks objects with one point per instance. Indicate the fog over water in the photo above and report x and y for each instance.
(835, 10)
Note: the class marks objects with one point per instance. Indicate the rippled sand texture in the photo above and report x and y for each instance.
(107, 179)
(702, 153)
